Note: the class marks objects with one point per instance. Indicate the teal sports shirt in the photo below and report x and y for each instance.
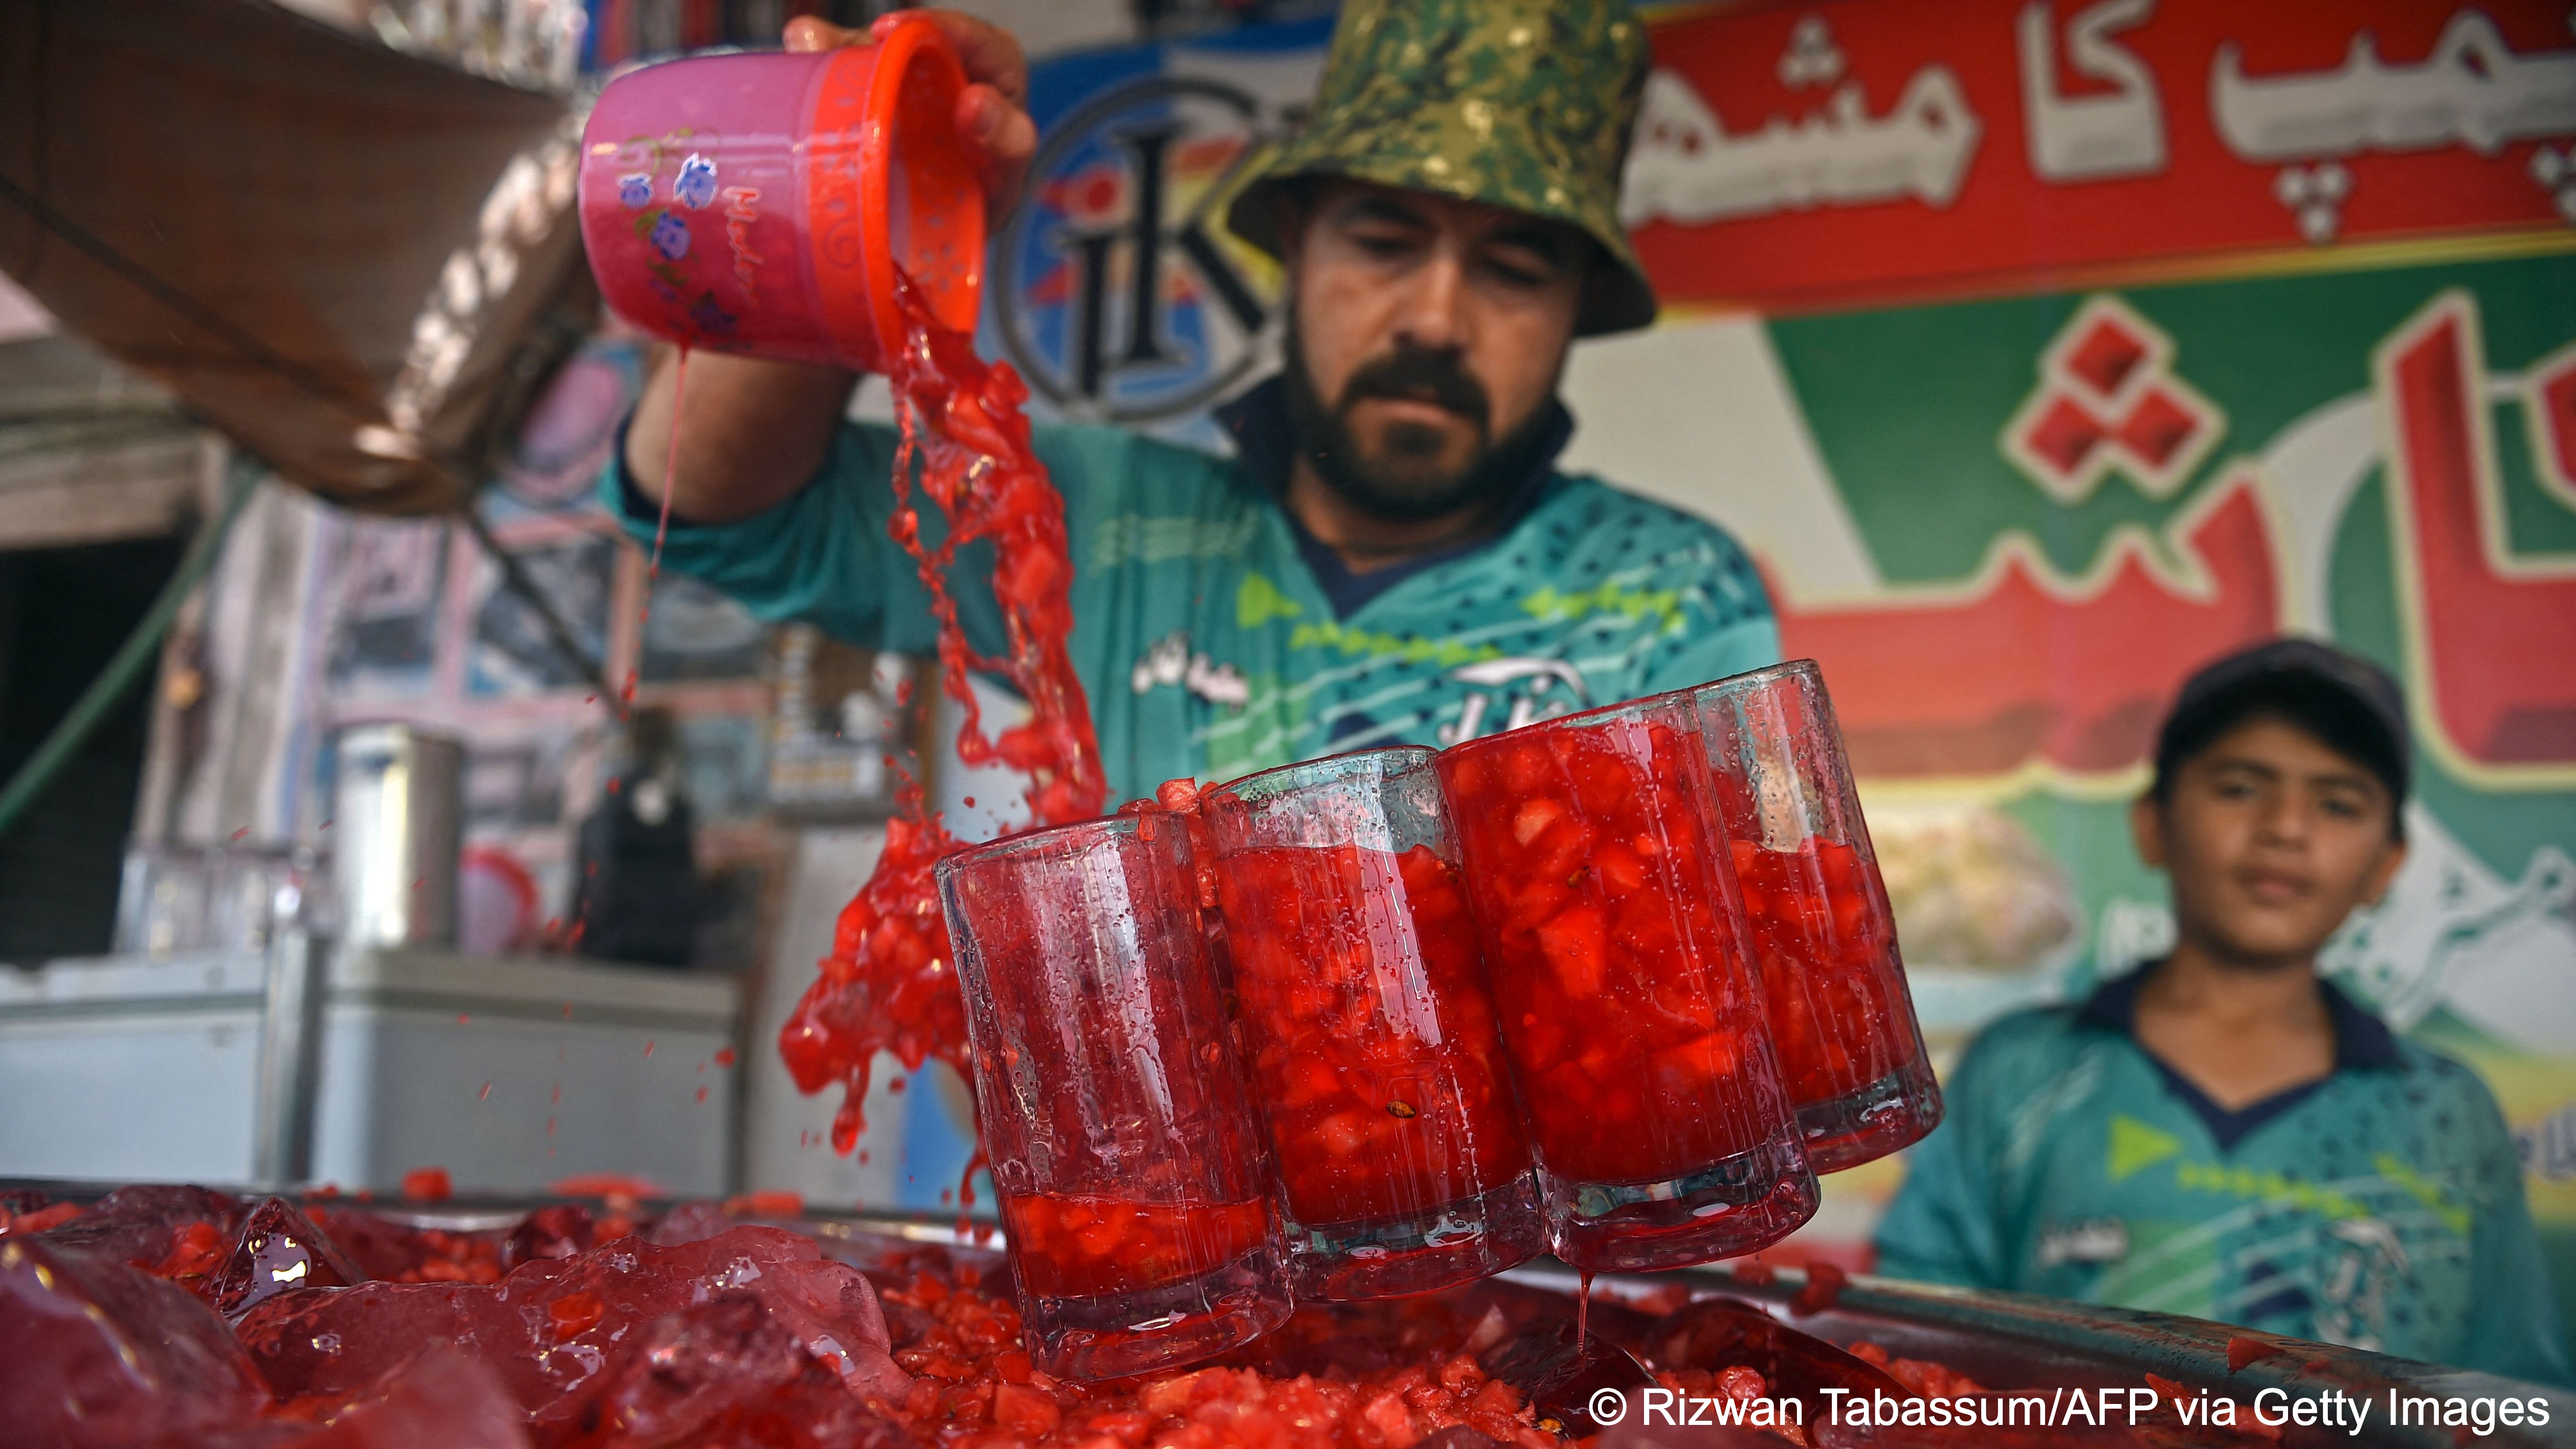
(1202, 635)
(2381, 1208)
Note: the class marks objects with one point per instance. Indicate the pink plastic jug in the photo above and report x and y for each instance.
(760, 204)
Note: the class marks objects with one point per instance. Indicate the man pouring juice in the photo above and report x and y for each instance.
(1392, 555)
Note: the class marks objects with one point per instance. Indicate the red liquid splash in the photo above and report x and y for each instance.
(670, 473)
(890, 983)
(661, 531)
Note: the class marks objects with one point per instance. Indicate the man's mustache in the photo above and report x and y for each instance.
(1421, 374)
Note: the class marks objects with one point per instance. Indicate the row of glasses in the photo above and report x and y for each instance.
(1617, 984)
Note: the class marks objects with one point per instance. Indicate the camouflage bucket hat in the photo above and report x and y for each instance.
(1525, 104)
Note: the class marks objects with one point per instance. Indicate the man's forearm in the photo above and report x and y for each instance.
(754, 432)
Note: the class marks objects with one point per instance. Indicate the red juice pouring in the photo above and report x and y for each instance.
(1663, 1134)
(1125, 1145)
(783, 206)
(1370, 1031)
(1842, 1020)
(890, 983)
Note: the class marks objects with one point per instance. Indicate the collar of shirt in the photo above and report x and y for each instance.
(1267, 445)
(2362, 1041)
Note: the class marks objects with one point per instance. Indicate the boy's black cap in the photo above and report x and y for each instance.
(2374, 694)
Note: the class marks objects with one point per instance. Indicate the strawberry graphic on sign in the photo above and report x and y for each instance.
(2109, 399)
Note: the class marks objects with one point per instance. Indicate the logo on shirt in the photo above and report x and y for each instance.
(2364, 1257)
(2135, 1145)
(1511, 692)
(2095, 1240)
(1168, 661)
(2548, 1147)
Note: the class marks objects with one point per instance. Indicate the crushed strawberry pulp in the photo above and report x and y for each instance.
(890, 983)
(1617, 974)
(607, 1328)
(1371, 1033)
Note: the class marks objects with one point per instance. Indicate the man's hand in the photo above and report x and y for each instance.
(992, 112)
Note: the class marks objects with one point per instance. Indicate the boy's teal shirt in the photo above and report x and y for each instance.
(1204, 640)
(2382, 1210)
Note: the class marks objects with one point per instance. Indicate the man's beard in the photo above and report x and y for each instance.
(1405, 485)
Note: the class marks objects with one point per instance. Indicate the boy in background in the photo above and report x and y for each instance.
(2220, 1133)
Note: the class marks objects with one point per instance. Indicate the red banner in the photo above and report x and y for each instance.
(1997, 145)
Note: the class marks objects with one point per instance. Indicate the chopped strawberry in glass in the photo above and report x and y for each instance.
(1842, 1020)
(1369, 1028)
(1099, 1246)
(1125, 1148)
(1596, 870)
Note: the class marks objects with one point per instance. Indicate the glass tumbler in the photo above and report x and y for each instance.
(1842, 1021)
(1129, 1160)
(1369, 1029)
(1595, 869)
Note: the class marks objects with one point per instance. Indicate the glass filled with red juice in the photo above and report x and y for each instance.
(1842, 1020)
(1369, 1028)
(1130, 1162)
(1595, 869)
